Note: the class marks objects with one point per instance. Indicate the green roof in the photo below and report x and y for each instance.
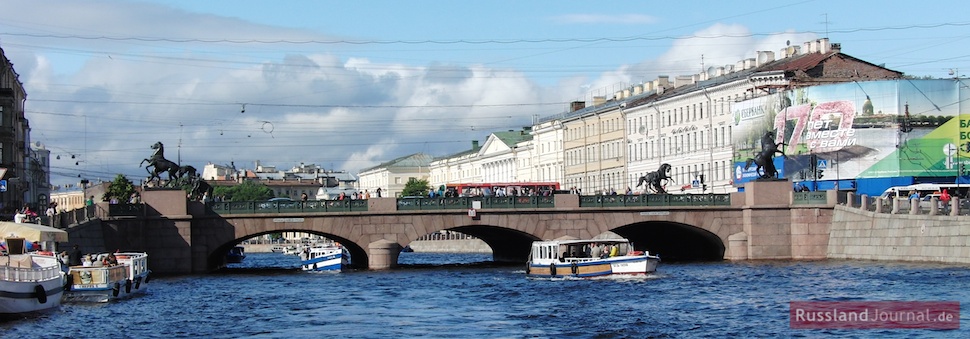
(413, 160)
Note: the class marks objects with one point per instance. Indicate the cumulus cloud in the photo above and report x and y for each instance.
(224, 101)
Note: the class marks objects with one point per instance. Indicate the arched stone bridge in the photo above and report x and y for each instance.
(182, 238)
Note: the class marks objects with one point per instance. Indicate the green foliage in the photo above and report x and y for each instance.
(246, 191)
(415, 187)
(121, 189)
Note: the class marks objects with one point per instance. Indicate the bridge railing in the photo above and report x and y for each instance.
(407, 204)
(655, 200)
(810, 198)
(249, 207)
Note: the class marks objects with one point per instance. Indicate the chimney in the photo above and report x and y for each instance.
(475, 144)
(577, 105)
(598, 100)
(823, 45)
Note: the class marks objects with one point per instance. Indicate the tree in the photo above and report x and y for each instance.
(120, 189)
(246, 191)
(416, 187)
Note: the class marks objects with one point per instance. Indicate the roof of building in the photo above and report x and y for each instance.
(412, 160)
(511, 138)
(801, 62)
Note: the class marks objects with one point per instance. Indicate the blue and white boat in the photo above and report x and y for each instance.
(110, 276)
(236, 255)
(588, 258)
(329, 257)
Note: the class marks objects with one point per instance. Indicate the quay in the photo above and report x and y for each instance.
(766, 221)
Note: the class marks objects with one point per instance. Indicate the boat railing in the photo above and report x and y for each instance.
(96, 275)
(29, 274)
(137, 263)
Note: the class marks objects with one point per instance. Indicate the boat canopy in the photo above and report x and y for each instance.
(31, 232)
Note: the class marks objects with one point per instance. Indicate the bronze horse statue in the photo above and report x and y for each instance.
(199, 189)
(157, 164)
(656, 180)
(765, 159)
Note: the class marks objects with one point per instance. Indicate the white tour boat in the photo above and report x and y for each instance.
(30, 281)
(324, 257)
(588, 258)
(106, 280)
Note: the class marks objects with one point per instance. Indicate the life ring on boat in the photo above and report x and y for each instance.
(116, 289)
(137, 282)
(40, 293)
(552, 269)
(574, 267)
(127, 285)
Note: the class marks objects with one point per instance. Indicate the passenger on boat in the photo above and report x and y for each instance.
(595, 251)
(87, 262)
(613, 250)
(110, 260)
(75, 256)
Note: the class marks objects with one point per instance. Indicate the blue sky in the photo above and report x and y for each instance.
(351, 84)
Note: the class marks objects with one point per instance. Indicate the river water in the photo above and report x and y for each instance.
(463, 296)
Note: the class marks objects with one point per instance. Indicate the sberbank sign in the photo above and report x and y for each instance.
(748, 113)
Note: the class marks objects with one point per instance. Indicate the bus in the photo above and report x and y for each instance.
(501, 189)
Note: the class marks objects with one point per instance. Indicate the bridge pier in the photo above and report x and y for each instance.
(383, 254)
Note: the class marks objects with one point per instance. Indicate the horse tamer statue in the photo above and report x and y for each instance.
(764, 159)
(157, 164)
(657, 179)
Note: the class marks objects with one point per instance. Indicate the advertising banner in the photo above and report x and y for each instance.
(856, 130)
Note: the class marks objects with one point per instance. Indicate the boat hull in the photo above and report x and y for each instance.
(596, 268)
(626, 265)
(30, 283)
(326, 259)
(236, 255)
(106, 283)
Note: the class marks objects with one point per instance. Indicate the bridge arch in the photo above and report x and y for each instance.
(674, 240)
(217, 258)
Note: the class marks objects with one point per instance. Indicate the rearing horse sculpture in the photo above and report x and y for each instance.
(158, 164)
(655, 180)
(764, 159)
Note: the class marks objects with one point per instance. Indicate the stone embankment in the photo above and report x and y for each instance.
(871, 232)
(422, 246)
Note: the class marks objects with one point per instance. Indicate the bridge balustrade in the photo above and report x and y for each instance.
(407, 204)
(655, 200)
(249, 207)
(811, 198)
(126, 210)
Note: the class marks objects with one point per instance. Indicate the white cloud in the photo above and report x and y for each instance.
(302, 105)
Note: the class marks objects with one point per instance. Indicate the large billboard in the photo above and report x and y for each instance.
(858, 130)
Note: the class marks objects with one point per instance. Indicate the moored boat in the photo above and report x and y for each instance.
(115, 276)
(30, 281)
(324, 257)
(588, 258)
(236, 255)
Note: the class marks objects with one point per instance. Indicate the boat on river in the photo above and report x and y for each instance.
(325, 257)
(30, 281)
(588, 258)
(109, 277)
(236, 255)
